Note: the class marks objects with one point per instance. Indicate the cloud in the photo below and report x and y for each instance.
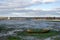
(49, 1)
(58, 12)
(11, 4)
(43, 1)
(22, 8)
(21, 3)
(32, 13)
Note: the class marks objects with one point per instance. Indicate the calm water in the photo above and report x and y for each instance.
(16, 24)
(30, 23)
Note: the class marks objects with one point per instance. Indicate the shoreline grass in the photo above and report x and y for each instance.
(41, 35)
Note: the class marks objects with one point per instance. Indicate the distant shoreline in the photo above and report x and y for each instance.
(27, 18)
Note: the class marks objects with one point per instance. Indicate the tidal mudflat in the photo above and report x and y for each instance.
(29, 30)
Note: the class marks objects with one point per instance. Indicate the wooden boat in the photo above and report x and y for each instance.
(37, 31)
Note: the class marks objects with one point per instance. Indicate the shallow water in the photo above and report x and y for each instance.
(17, 24)
(30, 23)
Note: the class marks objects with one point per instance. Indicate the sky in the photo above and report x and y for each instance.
(29, 8)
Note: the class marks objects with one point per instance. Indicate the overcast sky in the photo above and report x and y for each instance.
(30, 8)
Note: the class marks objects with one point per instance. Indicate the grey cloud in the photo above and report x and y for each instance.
(29, 13)
(10, 4)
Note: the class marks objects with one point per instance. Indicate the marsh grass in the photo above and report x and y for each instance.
(40, 35)
(13, 38)
(24, 33)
